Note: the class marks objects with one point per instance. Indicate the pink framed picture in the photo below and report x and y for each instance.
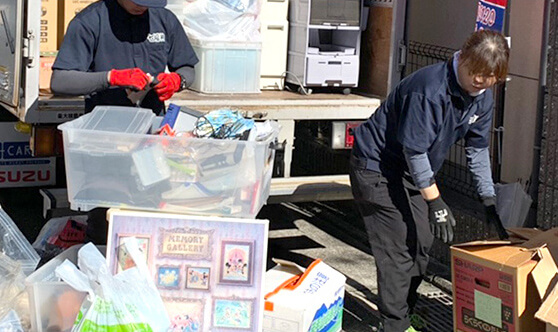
(236, 262)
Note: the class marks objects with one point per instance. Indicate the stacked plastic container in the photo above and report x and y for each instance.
(111, 161)
(225, 35)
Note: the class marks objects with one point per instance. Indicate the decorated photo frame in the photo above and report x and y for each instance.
(123, 259)
(168, 276)
(232, 313)
(198, 277)
(185, 314)
(236, 262)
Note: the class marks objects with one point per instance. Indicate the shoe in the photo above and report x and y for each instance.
(417, 322)
(411, 329)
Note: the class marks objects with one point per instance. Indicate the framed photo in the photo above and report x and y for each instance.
(197, 277)
(168, 276)
(236, 262)
(123, 259)
(233, 313)
(184, 314)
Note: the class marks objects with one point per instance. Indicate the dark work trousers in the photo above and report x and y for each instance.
(396, 219)
(97, 226)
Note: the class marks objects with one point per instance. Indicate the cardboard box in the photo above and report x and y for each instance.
(301, 299)
(45, 72)
(49, 26)
(548, 312)
(498, 286)
(66, 11)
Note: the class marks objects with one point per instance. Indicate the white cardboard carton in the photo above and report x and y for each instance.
(301, 299)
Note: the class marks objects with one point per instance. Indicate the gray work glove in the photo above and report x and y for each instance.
(492, 217)
(441, 219)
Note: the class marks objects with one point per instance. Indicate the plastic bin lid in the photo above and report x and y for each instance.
(14, 245)
(121, 119)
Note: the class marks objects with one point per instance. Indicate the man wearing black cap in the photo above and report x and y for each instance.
(114, 47)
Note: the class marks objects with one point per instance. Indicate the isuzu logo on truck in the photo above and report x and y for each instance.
(18, 167)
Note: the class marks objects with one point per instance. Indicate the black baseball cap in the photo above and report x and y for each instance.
(151, 3)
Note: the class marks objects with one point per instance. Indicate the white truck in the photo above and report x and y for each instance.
(19, 95)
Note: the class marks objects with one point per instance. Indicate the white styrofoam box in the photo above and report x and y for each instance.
(195, 175)
(326, 70)
(312, 300)
(275, 36)
(227, 67)
(52, 302)
(274, 10)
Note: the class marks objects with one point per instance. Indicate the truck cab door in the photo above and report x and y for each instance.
(19, 55)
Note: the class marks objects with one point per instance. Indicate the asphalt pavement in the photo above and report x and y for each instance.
(301, 233)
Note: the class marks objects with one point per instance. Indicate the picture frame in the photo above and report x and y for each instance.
(123, 260)
(168, 276)
(185, 314)
(236, 262)
(232, 313)
(198, 277)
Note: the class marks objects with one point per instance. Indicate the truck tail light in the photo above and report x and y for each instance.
(46, 141)
(341, 134)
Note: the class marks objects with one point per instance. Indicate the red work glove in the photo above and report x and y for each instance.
(133, 78)
(169, 83)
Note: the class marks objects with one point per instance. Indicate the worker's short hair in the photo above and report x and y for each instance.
(486, 52)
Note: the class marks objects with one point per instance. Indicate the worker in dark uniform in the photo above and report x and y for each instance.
(113, 48)
(401, 147)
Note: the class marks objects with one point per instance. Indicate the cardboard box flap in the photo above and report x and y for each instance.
(524, 233)
(547, 237)
(511, 240)
(545, 271)
(548, 311)
(287, 263)
(502, 255)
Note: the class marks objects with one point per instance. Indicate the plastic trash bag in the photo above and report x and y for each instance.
(222, 20)
(512, 204)
(124, 302)
(56, 232)
(14, 303)
(11, 323)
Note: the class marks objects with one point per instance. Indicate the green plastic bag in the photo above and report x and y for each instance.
(126, 302)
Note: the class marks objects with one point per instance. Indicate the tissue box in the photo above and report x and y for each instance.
(301, 299)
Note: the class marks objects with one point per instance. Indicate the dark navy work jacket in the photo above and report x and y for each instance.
(427, 112)
(103, 36)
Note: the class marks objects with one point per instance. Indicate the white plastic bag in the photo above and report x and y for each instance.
(512, 204)
(223, 20)
(124, 302)
(11, 323)
(14, 304)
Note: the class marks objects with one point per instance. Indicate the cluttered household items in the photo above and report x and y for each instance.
(219, 163)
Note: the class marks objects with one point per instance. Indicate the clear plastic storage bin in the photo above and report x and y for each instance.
(120, 119)
(227, 67)
(14, 245)
(53, 303)
(174, 174)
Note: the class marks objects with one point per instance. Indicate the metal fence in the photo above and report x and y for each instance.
(547, 208)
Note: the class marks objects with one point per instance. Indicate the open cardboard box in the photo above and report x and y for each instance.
(500, 285)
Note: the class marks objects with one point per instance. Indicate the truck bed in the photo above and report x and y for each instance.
(284, 106)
